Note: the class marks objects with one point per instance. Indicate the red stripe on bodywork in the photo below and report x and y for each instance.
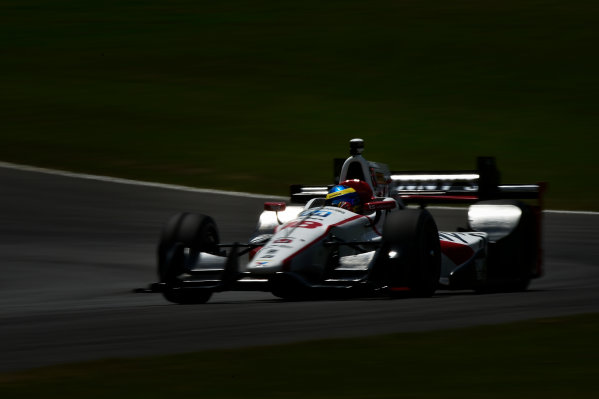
(287, 261)
(458, 253)
(373, 226)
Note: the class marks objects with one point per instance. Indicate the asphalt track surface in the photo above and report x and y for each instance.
(72, 250)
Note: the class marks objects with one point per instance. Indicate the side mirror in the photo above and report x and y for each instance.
(275, 206)
(380, 205)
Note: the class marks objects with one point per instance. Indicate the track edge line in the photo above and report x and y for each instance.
(120, 180)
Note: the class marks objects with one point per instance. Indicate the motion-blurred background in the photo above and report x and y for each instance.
(256, 95)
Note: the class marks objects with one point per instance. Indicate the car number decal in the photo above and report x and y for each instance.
(303, 224)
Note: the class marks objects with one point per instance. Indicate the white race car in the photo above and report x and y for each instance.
(361, 237)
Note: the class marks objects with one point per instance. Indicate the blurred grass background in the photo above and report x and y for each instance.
(257, 95)
(545, 358)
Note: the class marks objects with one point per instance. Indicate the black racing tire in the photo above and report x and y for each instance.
(184, 230)
(511, 259)
(411, 252)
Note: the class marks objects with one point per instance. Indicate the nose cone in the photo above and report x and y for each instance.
(264, 266)
(269, 259)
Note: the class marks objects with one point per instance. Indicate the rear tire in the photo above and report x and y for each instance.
(184, 230)
(512, 259)
(411, 253)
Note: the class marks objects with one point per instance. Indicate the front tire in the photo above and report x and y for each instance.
(195, 232)
(411, 253)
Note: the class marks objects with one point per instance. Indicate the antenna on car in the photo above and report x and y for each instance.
(356, 146)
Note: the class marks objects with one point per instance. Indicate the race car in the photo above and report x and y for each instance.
(367, 234)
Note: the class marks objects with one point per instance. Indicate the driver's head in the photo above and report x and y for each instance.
(344, 197)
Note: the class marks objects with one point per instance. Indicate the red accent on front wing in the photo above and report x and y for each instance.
(253, 252)
(458, 253)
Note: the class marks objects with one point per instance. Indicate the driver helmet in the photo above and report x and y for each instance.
(344, 197)
(361, 187)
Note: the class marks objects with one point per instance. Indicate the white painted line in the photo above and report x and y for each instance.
(119, 180)
(589, 213)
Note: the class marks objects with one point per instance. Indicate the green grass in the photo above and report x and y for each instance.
(256, 95)
(545, 358)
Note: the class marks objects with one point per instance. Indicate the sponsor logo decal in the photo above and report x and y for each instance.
(261, 263)
(465, 238)
(458, 253)
(316, 213)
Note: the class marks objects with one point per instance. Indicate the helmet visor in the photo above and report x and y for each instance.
(344, 197)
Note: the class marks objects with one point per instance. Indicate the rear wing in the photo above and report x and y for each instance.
(460, 186)
(439, 187)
